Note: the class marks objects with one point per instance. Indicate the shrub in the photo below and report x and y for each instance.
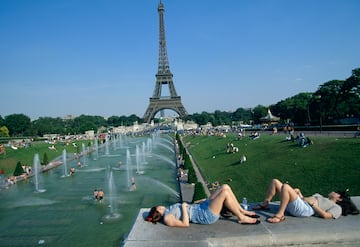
(18, 169)
(45, 159)
(192, 178)
(199, 192)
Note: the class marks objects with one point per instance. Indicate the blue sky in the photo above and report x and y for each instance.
(100, 57)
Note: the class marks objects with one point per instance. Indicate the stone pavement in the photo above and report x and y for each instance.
(294, 231)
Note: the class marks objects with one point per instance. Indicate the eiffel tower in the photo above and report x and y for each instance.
(163, 77)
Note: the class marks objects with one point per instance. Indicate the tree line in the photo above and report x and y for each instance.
(334, 102)
(16, 125)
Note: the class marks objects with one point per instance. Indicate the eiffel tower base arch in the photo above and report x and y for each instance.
(158, 104)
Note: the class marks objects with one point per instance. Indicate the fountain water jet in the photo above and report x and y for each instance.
(96, 144)
(112, 198)
(128, 169)
(174, 192)
(166, 146)
(143, 161)
(107, 152)
(121, 143)
(113, 141)
(167, 140)
(149, 145)
(37, 170)
(166, 159)
(66, 174)
(83, 154)
(138, 161)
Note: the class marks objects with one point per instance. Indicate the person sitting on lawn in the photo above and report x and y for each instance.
(243, 159)
(254, 135)
(292, 201)
(206, 211)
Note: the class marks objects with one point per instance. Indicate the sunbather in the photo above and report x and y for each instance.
(206, 211)
(292, 201)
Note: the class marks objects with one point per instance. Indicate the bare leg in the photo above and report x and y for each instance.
(225, 196)
(226, 188)
(274, 188)
(287, 195)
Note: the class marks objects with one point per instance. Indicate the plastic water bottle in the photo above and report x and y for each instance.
(244, 203)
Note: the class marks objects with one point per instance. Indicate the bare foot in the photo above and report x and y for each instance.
(245, 220)
(251, 214)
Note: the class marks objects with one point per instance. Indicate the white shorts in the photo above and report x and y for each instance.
(300, 208)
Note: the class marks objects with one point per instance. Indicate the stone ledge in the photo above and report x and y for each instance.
(227, 232)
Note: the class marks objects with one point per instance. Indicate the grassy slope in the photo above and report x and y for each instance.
(26, 155)
(330, 164)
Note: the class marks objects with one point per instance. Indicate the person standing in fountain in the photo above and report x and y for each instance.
(101, 195)
(72, 170)
(207, 211)
(96, 194)
(133, 185)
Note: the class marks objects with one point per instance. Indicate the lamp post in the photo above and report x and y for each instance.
(318, 97)
(308, 113)
(320, 118)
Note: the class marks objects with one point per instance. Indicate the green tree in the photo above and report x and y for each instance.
(45, 159)
(201, 119)
(258, 112)
(18, 169)
(115, 121)
(295, 109)
(84, 123)
(17, 124)
(2, 121)
(48, 125)
(4, 132)
(330, 97)
(222, 118)
(242, 114)
(351, 94)
(133, 118)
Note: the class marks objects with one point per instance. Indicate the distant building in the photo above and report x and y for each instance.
(51, 137)
(69, 117)
(90, 134)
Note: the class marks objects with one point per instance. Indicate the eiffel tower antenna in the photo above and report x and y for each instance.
(163, 77)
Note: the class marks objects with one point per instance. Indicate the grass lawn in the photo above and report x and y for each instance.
(329, 164)
(26, 155)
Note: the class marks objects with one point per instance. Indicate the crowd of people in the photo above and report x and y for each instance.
(301, 139)
(7, 181)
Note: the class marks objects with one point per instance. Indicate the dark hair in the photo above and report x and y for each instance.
(346, 204)
(154, 216)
